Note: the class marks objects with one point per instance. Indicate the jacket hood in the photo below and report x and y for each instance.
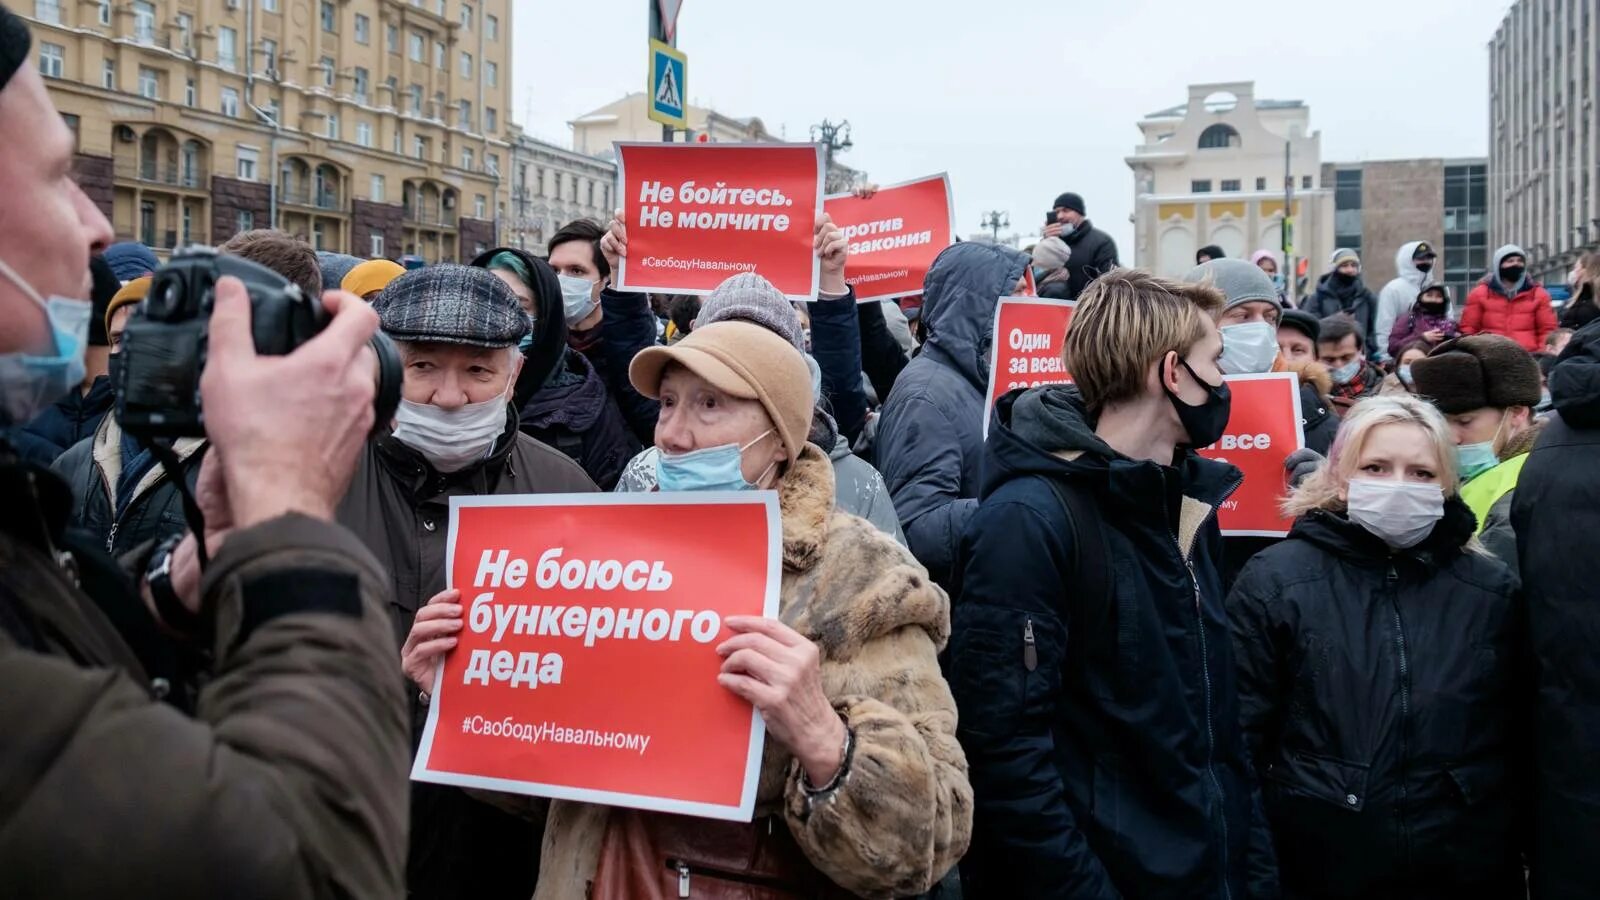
(545, 355)
(574, 397)
(1575, 380)
(959, 297)
(1492, 277)
(1337, 534)
(1406, 267)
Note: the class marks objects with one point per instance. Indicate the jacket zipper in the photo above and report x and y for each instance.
(1030, 651)
(1392, 579)
(686, 870)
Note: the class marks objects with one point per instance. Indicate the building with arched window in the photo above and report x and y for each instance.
(1211, 171)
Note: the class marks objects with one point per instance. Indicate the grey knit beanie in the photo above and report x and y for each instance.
(1238, 280)
(1051, 253)
(747, 297)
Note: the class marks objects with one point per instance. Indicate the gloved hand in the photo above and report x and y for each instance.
(1302, 463)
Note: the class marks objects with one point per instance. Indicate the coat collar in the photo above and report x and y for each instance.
(805, 501)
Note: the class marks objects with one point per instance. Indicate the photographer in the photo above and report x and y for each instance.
(291, 781)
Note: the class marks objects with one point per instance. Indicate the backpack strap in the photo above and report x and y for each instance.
(1091, 555)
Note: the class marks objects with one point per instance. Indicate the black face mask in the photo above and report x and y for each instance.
(1511, 276)
(1204, 423)
(1425, 266)
(1344, 279)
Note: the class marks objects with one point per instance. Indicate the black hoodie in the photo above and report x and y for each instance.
(545, 355)
(1101, 732)
(1555, 512)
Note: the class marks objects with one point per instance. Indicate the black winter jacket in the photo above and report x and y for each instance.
(1332, 297)
(1378, 693)
(575, 414)
(92, 467)
(1094, 253)
(627, 327)
(1101, 731)
(65, 422)
(930, 432)
(1555, 512)
(836, 346)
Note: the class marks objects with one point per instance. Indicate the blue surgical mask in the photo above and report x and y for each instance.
(29, 383)
(1248, 348)
(1475, 459)
(709, 469)
(1277, 280)
(1405, 374)
(1347, 372)
(577, 298)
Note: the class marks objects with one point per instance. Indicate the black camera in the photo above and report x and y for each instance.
(164, 344)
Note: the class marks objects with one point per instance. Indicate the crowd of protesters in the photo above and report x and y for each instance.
(1017, 663)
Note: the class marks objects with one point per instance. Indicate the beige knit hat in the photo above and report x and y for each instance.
(742, 360)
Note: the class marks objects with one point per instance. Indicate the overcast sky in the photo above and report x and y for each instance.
(1019, 101)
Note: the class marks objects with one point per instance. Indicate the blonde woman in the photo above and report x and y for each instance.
(1376, 651)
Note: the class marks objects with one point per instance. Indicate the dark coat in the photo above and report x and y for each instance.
(1112, 766)
(930, 432)
(1094, 253)
(1555, 511)
(544, 355)
(155, 512)
(400, 509)
(882, 357)
(1582, 309)
(626, 327)
(1419, 321)
(1354, 299)
(836, 346)
(65, 422)
(1378, 693)
(575, 414)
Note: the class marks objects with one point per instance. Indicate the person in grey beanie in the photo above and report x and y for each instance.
(1050, 273)
(1094, 253)
(455, 434)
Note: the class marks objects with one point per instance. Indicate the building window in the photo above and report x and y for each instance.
(1305, 182)
(51, 59)
(491, 73)
(491, 26)
(149, 83)
(416, 99)
(105, 12)
(326, 64)
(1219, 137)
(419, 147)
(333, 127)
(392, 38)
(47, 11)
(227, 48)
(439, 56)
(364, 134)
(1230, 185)
(466, 158)
(144, 21)
(491, 164)
(363, 29)
(108, 75)
(188, 92)
(376, 193)
(328, 15)
(438, 8)
(464, 119)
(246, 220)
(1200, 186)
(188, 225)
(1261, 184)
(363, 80)
(375, 248)
(230, 101)
(491, 120)
(249, 160)
(466, 17)
(269, 6)
(466, 65)
(399, 138)
(479, 204)
(416, 43)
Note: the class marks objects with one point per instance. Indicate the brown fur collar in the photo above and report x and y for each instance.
(805, 500)
(1313, 373)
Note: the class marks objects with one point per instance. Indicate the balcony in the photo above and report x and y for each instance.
(150, 172)
(312, 198)
(424, 215)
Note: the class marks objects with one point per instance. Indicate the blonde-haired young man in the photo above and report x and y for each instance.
(1091, 658)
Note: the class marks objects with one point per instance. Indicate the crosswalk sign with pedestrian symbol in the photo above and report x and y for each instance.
(668, 68)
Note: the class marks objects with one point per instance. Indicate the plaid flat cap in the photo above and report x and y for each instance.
(453, 305)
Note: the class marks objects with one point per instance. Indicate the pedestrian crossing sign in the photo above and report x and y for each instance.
(668, 68)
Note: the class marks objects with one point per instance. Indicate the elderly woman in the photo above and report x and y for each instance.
(863, 786)
(1377, 658)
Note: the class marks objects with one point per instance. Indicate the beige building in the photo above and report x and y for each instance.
(551, 186)
(1211, 171)
(373, 127)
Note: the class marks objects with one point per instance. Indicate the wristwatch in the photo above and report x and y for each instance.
(158, 577)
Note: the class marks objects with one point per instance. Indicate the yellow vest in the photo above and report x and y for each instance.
(1482, 492)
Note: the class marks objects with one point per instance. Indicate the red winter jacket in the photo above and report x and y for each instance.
(1525, 318)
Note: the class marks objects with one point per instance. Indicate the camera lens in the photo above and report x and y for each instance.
(389, 377)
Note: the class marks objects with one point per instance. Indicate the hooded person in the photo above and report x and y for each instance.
(1414, 263)
(570, 409)
(859, 489)
(78, 413)
(1507, 302)
(130, 260)
(1341, 291)
(1487, 387)
(1427, 321)
(1208, 253)
(1094, 253)
(930, 432)
(456, 434)
(1267, 261)
(1556, 516)
(1050, 273)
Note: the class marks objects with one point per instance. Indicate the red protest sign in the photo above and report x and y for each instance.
(895, 236)
(1029, 337)
(1263, 429)
(700, 213)
(588, 672)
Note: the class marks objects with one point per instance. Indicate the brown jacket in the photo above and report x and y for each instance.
(902, 815)
(290, 780)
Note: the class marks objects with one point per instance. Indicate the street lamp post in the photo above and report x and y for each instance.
(834, 139)
(994, 220)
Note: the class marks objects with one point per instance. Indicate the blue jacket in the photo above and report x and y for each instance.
(65, 422)
(627, 327)
(1113, 765)
(930, 431)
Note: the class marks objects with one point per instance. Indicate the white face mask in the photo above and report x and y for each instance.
(1401, 513)
(1248, 348)
(577, 298)
(452, 439)
(29, 382)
